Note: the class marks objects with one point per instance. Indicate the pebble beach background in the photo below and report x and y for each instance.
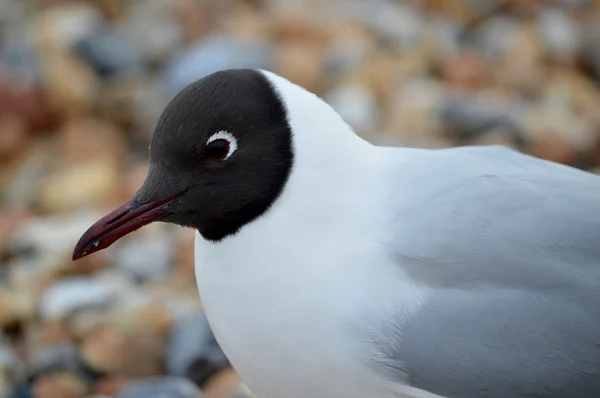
(83, 82)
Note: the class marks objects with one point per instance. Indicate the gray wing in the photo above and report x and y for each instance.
(510, 246)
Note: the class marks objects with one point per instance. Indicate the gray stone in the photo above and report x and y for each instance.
(69, 295)
(10, 365)
(48, 237)
(60, 357)
(470, 115)
(356, 105)
(193, 351)
(161, 387)
(109, 50)
(400, 23)
(211, 55)
(153, 28)
(560, 33)
(148, 256)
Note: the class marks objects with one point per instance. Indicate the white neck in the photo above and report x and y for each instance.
(327, 153)
(328, 156)
(318, 131)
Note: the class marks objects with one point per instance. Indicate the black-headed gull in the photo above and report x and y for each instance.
(329, 267)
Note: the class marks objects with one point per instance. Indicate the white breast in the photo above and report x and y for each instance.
(281, 334)
(288, 296)
(289, 321)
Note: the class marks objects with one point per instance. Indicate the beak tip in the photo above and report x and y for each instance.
(127, 218)
(76, 255)
(79, 251)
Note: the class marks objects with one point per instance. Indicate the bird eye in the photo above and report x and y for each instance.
(218, 149)
(220, 146)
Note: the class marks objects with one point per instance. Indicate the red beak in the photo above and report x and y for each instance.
(127, 218)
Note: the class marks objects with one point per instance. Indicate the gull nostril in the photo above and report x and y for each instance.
(115, 219)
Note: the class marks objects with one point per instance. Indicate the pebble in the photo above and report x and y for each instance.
(350, 46)
(302, 62)
(22, 391)
(184, 251)
(69, 295)
(561, 34)
(161, 387)
(12, 368)
(82, 323)
(13, 137)
(63, 25)
(214, 53)
(111, 385)
(26, 165)
(109, 51)
(143, 355)
(413, 114)
(69, 85)
(50, 236)
(103, 349)
(111, 350)
(15, 307)
(149, 257)
(155, 318)
(59, 357)
(193, 350)
(226, 384)
(153, 28)
(62, 385)
(356, 105)
(470, 115)
(92, 182)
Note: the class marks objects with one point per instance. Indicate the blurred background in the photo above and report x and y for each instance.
(83, 82)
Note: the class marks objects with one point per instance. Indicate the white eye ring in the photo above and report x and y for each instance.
(224, 135)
